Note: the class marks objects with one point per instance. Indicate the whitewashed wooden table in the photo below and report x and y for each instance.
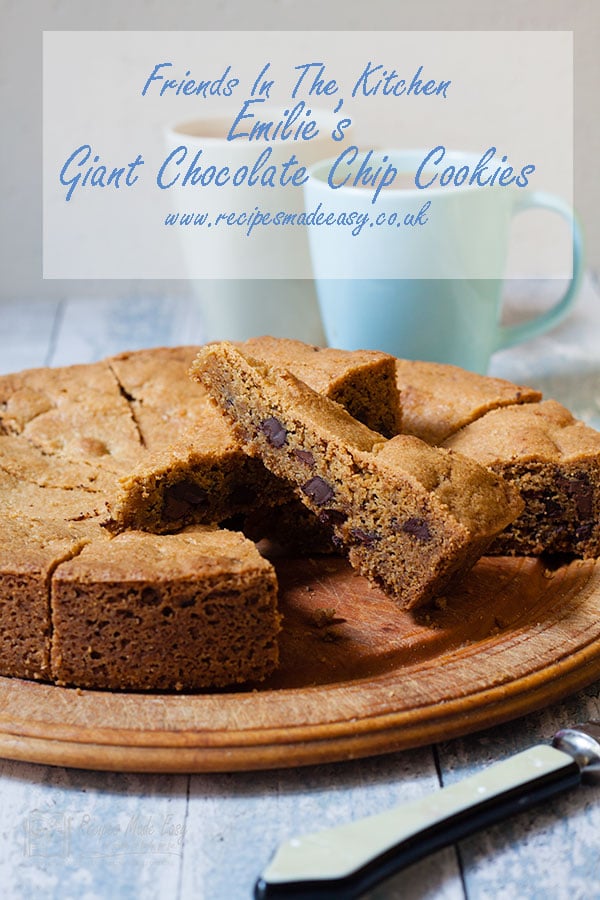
(92, 835)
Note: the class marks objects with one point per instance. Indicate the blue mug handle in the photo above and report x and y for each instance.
(508, 335)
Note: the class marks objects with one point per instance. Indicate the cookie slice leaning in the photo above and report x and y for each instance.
(410, 517)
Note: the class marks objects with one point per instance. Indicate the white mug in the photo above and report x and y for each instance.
(247, 284)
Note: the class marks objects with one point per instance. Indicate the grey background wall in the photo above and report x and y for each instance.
(23, 22)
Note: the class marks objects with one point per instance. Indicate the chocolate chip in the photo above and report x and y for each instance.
(583, 501)
(180, 497)
(274, 432)
(578, 487)
(189, 492)
(149, 597)
(367, 538)
(318, 490)
(332, 517)
(584, 531)
(551, 508)
(418, 528)
(305, 456)
(174, 509)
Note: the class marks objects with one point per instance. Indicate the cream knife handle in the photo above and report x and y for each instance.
(346, 861)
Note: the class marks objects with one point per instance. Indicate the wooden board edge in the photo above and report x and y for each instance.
(311, 750)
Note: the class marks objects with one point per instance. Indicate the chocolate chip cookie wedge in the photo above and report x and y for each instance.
(410, 517)
(554, 461)
(180, 611)
(203, 477)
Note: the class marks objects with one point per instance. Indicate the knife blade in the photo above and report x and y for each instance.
(343, 862)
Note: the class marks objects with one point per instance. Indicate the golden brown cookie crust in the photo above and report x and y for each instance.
(437, 399)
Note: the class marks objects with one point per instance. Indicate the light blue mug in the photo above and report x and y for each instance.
(429, 290)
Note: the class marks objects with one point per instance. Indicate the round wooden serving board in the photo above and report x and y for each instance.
(357, 677)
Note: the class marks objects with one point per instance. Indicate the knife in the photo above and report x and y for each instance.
(344, 862)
